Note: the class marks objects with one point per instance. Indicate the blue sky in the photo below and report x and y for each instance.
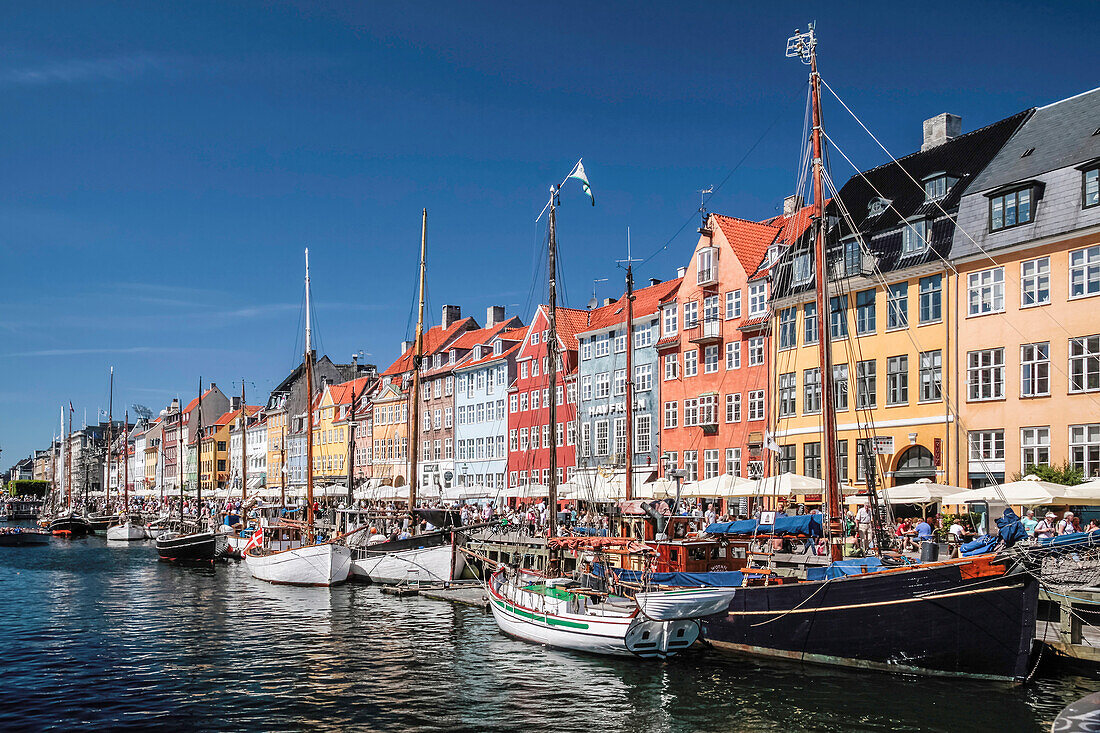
(164, 165)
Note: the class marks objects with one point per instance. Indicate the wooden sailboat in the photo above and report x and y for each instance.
(566, 613)
(432, 556)
(309, 562)
(965, 617)
(101, 520)
(125, 530)
(68, 522)
(189, 541)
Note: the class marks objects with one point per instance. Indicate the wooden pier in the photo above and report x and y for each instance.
(1070, 623)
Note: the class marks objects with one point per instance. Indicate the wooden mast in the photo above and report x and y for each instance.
(126, 462)
(629, 481)
(244, 452)
(309, 414)
(807, 49)
(414, 391)
(552, 363)
(69, 462)
(110, 424)
(351, 440)
(198, 457)
(282, 470)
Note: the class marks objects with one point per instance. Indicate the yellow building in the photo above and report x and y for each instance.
(330, 440)
(276, 442)
(1027, 251)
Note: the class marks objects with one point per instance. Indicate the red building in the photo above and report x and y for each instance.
(713, 353)
(528, 400)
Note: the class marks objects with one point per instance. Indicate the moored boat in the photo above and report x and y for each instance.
(322, 564)
(70, 524)
(185, 544)
(125, 530)
(21, 536)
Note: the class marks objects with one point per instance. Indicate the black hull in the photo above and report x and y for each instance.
(73, 526)
(22, 539)
(927, 621)
(199, 547)
(100, 523)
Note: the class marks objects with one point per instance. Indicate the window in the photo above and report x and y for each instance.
(710, 463)
(586, 388)
(733, 461)
(1084, 364)
(705, 269)
(897, 305)
(842, 459)
(691, 314)
(534, 337)
(571, 433)
(864, 457)
(985, 374)
(710, 309)
(672, 414)
(786, 459)
(931, 375)
(643, 337)
(448, 417)
(788, 319)
(671, 366)
(449, 384)
(733, 407)
(809, 319)
(620, 343)
(733, 355)
(534, 400)
(643, 377)
(1084, 448)
(620, 382)
(691, 413)
(897, 380)
(838, 316)
(620, 436)
(691, 465)
(803, 268)
(586, 349)
(986, 445)
(603, 345)
(710, 359)
(914, 237)
(1091, 183)
(931, 291)
(642, 434)
(1035, 369)
(788, 389)
(853, 256)
(865, 312)
(1034, 447)
(522, 371)
(986, 291)
(586, 439)
(691, 363)
(1035, 282)
(756, 351)
(840, 386)
(437, 390)
(756, 404)
(524, 444)
(708, 409)
(811, 391)
(513, 443)
(758, 299)
(601, 437)
(1009, 209)
(603, 385)
(811, 459)
(733, 304)
(937, 187)
(669, 320)
(1084, 272)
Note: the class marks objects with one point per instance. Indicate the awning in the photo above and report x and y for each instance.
(256, 482)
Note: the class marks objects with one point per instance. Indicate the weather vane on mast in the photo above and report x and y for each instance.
(801, 45)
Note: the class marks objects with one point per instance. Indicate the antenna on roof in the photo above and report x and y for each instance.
(703, 193)
(593, 303)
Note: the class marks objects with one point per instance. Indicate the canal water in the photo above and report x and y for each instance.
(106, 636)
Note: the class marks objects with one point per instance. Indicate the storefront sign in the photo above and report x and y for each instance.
(883, 445)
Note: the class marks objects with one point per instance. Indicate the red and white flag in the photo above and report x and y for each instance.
(255, 540)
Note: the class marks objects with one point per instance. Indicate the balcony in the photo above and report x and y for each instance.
(708, 331)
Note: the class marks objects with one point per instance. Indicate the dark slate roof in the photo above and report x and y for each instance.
(1060, 135)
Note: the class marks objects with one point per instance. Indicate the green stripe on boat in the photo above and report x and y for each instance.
(551, 620)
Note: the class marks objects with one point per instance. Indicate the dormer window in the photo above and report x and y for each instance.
(707, 266)
(1091, 182)
(438, 360)
(498, 347)
(1013, 207)
(914, 236)
(877, 206)
(451, 356)
(936, 186)
(803, 268)
(773, 254)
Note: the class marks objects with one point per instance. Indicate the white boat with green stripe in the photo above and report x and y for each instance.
(559, 612)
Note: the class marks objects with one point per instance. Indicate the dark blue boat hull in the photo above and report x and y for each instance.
(923, 621)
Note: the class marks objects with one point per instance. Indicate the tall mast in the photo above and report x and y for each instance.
(629, 482)
(414, 393)
(309, 412)
(126, 462)
(282, 469)
(69, 462)
(244, 451)
(198, 456)
(804, 45)
(351, 440)
(110, 425)
(552, 362)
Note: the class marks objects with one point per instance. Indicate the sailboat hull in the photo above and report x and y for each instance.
(125, 532)
(70, 525)
(428, 558)
(314, 565)
(195, 547)
(930, 620)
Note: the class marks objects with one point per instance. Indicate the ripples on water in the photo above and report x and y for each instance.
(107, 636)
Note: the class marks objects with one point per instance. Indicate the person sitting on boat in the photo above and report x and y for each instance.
(405, 534)
(1093, 526)
(864, 518)
(1044, 530)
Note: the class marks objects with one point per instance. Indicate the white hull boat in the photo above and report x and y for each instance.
(560, 614)
(125, 532)
(440, 564)
(323, 564)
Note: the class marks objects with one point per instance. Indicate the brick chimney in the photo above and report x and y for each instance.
(940, 129)
(451, 313)
(791, 204)
(494, 314)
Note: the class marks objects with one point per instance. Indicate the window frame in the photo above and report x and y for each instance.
(1003, 196)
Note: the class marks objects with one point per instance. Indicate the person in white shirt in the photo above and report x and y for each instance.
(1066, 525)
(711, 517)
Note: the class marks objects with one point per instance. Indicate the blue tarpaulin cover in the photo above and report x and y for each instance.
(982, 544)
(589, 531)
(719, 579)
(805, 524)
(840, 568)
(1076, 538)
(1011, 529)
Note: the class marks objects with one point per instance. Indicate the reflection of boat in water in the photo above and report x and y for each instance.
(21, 536)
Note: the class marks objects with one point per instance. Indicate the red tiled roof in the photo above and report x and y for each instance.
(667, 341)
(748, 239)
(342, 393)
(435, 338)
(462, 364)
(195, 402)
(753, 323)
(232, 415)
(572, 321)
(646, 301)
